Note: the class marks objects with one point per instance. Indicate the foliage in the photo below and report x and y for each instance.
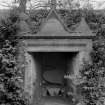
(93, 75)
(97, 17)
(70, 18)
(9, 26)
(36, 19)
(95, 22)
(11, 80)
(11, 91)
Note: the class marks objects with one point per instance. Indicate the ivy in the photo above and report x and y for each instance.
(93, 75)
(36, 18)
(70, 18)
(11, 77)
(11, 82)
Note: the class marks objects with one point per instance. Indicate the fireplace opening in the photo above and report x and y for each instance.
(51, 70)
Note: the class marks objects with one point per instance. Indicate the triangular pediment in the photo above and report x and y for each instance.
(53, 25)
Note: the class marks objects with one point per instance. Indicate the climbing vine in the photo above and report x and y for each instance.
(11, 75)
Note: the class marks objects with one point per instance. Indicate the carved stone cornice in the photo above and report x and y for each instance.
(29, 36)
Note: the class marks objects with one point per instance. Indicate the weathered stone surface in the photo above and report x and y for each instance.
(53, 28)
(53, 37)
(83, 28)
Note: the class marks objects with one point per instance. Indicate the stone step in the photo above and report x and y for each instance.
(55, 101)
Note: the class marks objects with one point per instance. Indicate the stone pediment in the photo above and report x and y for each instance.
(53, 26)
